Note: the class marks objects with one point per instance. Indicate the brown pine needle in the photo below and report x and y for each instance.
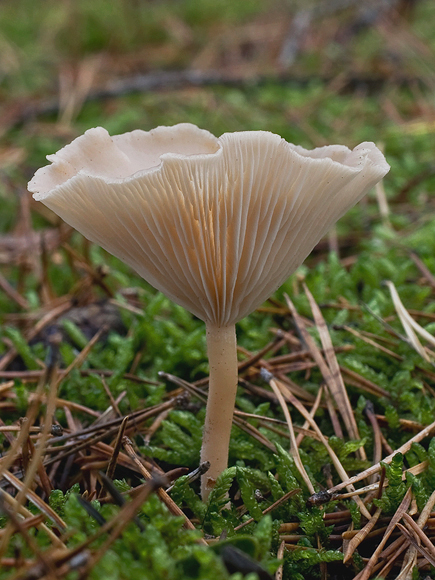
(377, 435)
(280, 556)
(117, 448)
(372, 342)
(361, 536)
(414, 541)
(166, 499)
(33, 498)
(419, 532)
(411, 555)
(403, 507)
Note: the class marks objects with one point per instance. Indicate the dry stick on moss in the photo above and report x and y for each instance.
(430, 278)
(32, 412)
(116, 449)
(125, 515)
(379, 485)
(335, 421)
(247, 427)
(43, 322)
(111, 427)
(356, 380)
(390, 555)
(31, 376)
(10, 291)
(277, 343)
(280, 556)
(34, 499)
(151, 430)
(372, 342)
(377, 451)
(45, 482)
(26, 514)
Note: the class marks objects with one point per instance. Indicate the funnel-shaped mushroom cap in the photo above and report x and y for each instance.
(216, 224)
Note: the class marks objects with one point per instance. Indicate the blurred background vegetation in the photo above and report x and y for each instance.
(315, 72)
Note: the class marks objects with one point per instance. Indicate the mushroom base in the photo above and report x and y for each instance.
(222, 356)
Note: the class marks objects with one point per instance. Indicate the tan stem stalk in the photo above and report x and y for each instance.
(222, 356)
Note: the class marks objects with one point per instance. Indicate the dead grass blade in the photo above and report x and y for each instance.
(294, 451)
(298, 405)
(411, 327)
(329, 368)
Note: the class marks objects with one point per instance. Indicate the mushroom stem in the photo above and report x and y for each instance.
(222, 356)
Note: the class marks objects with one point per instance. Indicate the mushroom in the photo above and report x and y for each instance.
(216, 224)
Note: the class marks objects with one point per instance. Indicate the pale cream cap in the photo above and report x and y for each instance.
(216, 224)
